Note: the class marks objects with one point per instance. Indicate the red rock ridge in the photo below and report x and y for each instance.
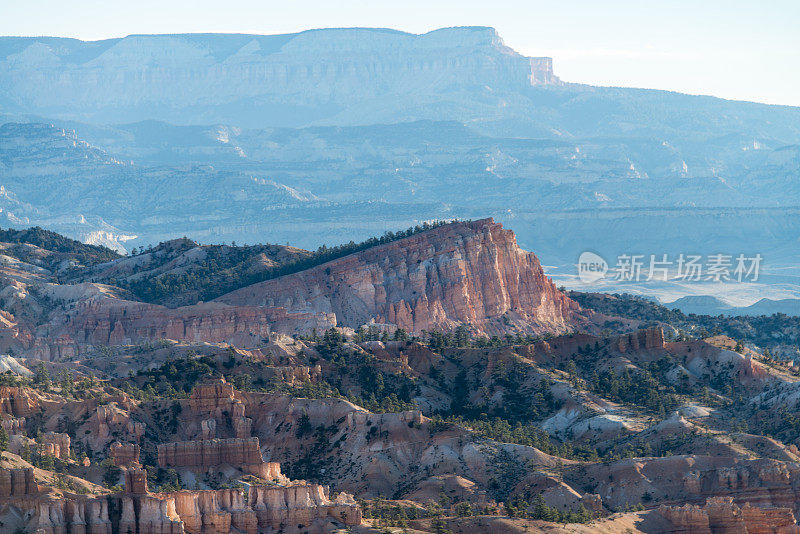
(463, 273)
(244, 454)
(269, 508)
(722, 515)
(111, 321)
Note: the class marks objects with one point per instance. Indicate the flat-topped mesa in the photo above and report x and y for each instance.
(244, 454)
(136, 75)
(462, 273)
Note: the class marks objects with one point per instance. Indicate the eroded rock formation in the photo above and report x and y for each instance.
(289, 507)
(720, 515)
(71, 515)
(649, 339)
(244, 454)
(124, 454)
(216, 402)
(17, 482)
(13, 425)
(136, 481)
(55, 444)
(465, 273)
(17, 402)
(111, 321)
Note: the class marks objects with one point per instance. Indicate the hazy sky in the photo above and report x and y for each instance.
(748, 50)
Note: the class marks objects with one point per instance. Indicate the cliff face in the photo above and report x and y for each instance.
(244, 454)
(111, 321)
(330, 68)
(472, 273)
(649, 339)
(294, 507)
(305, 507)
(17, 402)
(17, 482)
(722, 515)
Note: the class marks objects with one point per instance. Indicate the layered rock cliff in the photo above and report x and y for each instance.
(143, 76)
(470, 273)
(720, 515)
(17, 482)
(17, 402)
(112, 321)
(290, 507)
(297, 507)
(244, 454)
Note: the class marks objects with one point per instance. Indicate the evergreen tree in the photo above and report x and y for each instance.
(41, 377)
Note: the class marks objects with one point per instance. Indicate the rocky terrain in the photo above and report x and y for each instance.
(470, 273)
(312, 74)
(331, 135)
(306, 403)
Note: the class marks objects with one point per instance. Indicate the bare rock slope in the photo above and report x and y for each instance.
(464, 273)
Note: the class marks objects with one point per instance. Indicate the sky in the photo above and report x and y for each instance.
(744, 50)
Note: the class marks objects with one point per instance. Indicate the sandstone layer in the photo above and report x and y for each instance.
(110, 321)
(464, 273)
(243, 454)
(720, 515)
(291, 507)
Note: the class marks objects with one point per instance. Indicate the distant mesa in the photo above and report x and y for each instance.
(317, 72)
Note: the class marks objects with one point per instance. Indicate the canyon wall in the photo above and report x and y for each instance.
(720, 515)
(17, 482)
(293, 507)
(124, 454)
(55, 444)
(648, 339)
(110, 321)
(471, 272)
(695, 479)
(243, 454)
(17, 402)
(301, 507)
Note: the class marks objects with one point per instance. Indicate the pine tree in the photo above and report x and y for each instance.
(41, 377)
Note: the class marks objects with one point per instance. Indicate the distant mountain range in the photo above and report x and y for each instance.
(331, 135)
(708, 305)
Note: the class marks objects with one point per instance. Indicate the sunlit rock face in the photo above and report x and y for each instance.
(319, 71)
(467, 273)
